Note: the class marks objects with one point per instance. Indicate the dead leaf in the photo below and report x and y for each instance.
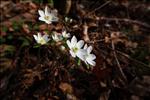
(65, 87)
(43, 27)
(25, 28)
(5, 64)
(85, 32)
(71, 97)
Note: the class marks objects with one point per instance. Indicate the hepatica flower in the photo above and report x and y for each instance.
(65, 34)
(47, 16)
(57, 37)
(88, 57)
(76, 48)
(41, 39)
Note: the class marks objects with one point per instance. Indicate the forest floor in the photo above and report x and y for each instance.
(118, 30)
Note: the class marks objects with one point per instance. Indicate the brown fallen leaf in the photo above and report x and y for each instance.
(43, 27)
(65, 87)
(25, 28)
(85, 32)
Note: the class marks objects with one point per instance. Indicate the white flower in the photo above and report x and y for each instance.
(57, 37)
(47, 16)
(65, 34)
(89, 58)
(41, 39)
(75, 48)
(68, 20)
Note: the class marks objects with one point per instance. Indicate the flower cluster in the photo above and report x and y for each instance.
(43, 39)
(84, 53)
(59, 37)
(77, 48)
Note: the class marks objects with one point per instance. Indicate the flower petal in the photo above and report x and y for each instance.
(81, 54)
(64, 33)
(85, 46)
(80, 44)
(45, 37)
(72, 53)
(69, 44)
(41, 13)
(91, 62)
(48, 21)
(89, 49)
(42, 19)
(54, 19)
(54, 12)
(47, 12)
(91, 57)
(35, 37)
(73, 41)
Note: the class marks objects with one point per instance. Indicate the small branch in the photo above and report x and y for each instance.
(126, 20)
(118, 64)
(127, 56)
(130, 58)
(98, 8)
(96, 41)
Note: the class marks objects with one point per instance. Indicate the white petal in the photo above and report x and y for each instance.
(83, 51)
(46, 37)
(73, 41)
(39, 35)
(89, 49)
(54, 19)
(85, 46)
(48, 21)
(81, 54)
(41, 18)
(91, 57)
(41, 13)
(91, 62)
(86, 62)
(35, 37)
(72, 53)
(53, 37)
(64, 33)
(54, 12)
(69, 44)
(80, 44)
(46, 11)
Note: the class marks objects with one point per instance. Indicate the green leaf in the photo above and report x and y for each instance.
(25, 41)
(51, 2)
(6, 50)
(2, 40)
(79, 62)
(36, 46)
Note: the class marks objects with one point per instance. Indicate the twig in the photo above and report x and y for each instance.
(126, 20)
(130, 58)
(118, 64)
(96, 41)
(122, 53)
(127, 56)
(98, 8)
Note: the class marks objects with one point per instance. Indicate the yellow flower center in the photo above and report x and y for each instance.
(75, 49)
(47, 17)
(42, 41)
